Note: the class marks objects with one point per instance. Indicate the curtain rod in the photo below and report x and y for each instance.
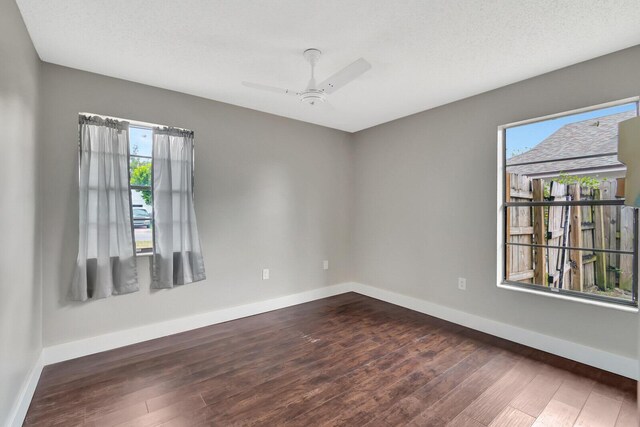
(133, 122)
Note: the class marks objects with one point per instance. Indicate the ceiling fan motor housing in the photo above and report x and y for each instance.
(313, 96)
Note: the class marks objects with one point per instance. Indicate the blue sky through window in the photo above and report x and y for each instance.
(140, 141)
(523, 138)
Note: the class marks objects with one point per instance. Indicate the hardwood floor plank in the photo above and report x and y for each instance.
(74, 417)
(463, 421)
(359, 405)
(617, 388)
(599, 411)
(557, 414)
(628, 416)
(117, 416)
(167, 413)
(345, 360)
(512, 417)
(497, 396)
(409, 407)
(537, 394)
(574, 391)
(447, 408)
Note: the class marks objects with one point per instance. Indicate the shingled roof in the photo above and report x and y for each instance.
(594, 136)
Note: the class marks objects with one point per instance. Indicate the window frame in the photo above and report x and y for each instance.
(503, 206)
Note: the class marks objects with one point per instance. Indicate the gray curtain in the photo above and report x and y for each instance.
(177, 257)
(106, 261)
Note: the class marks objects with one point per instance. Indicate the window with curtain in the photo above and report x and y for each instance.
(136, 198)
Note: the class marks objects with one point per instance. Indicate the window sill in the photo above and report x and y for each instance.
(619, 307)
(144, 254)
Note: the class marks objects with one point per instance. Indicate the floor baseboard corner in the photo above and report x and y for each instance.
(25, 395)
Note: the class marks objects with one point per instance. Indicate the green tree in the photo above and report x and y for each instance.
(141, 175)
(583, 181)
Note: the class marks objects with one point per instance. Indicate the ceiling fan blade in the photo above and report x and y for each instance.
(270, 88)
(344, 76)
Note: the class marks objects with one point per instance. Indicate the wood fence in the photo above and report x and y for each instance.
(565, 227)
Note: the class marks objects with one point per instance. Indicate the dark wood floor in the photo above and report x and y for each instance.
(347, 360)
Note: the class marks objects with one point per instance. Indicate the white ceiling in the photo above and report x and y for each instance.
(424, 53)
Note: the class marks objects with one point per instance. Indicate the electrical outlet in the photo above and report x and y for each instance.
(325, 264)
(265, 274)
(462, 283)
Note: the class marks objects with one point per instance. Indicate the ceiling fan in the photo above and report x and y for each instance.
(316, 94)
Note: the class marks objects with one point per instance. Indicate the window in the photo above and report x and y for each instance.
(140, 168)
(564, 227)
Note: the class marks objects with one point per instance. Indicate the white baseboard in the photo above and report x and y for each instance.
(71, 350)
(611, 362)
(23, 399)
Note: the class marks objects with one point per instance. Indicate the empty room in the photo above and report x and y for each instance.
(319, 213)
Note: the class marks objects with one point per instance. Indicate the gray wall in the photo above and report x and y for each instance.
(425, 203)
(269, 192)
(20, 288)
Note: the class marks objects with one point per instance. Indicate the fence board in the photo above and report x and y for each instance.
(575, 240)
(520, 261)
(626, 244)
(599, 242)
(519, 230)
(588, 227)
(522, 275)
(539, 234)
(608, 192)
(588, 239)
(556, 217)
